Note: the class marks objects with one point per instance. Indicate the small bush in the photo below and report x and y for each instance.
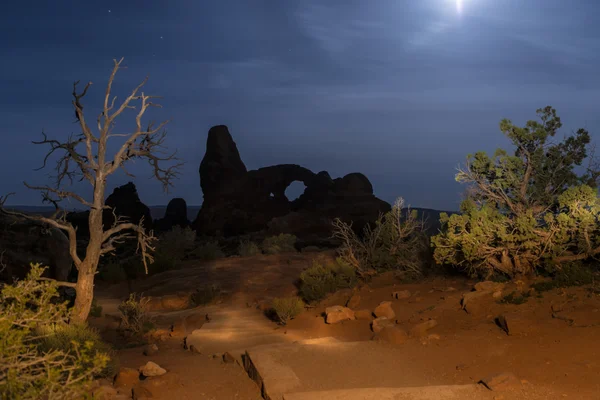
(171, 248)
(69, 337)
(29, 371)
(282, 243)
(323, 278)
(287, 308)
(134, 315)
(205, 295)
(515, 298)
(208, 251)
(574, 274)
(396, 241)
(248, 248)
(96, 310)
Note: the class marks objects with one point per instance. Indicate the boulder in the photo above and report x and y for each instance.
(363, 315)
(152, 369)
(24, 241)
(420, 330)
(353, 301)
(150, 349)
(504, 381)
(337, 314)
(379, 323)
(384, 309)
(127, 378)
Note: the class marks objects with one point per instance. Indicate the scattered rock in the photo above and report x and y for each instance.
(489, 286)
(477, 303)
(228, 358)
(337, 314)
(379, 323)
(127, 377)
(402, 294)
(392, 334)
(175, 302)
(150, 349)
(497, 294)
(104, 392)
(514, 324)
(420, 330)
(353, 302)
(363, 315)
(501, 382)
(384, 309)
(152, 369)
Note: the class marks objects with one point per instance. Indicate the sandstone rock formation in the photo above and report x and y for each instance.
(175, 215)
(23, 241)
(125, 203)
(238, 201)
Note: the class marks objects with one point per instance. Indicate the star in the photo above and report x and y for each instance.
(109, 11)
(161, 37)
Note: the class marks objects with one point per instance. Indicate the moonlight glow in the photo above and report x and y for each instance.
(459, 6)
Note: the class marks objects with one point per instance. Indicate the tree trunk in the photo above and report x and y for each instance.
(84, 296)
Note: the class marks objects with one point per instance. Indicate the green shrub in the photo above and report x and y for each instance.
(205, 295)
(208, 251)
(282, 243)
(287, 308)
(573, 274)
(68, 337)
(27, 370)
(248, 248)
(323, 278)
(396, 241)
(171, 248)
(134, 315)
(96, 310)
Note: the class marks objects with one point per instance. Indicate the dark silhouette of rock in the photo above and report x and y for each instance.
(23, 241)
(125, 202)
(222, 165)
(175, 215)
(237, 201)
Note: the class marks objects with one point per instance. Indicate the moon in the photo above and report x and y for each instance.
(459, 6)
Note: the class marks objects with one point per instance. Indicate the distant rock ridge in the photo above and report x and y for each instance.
(238, 201)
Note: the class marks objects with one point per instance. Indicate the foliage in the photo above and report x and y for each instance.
(68, 337)
(27, 372)
(282, 243)
(134, 315)
(524, 210)
(572, 274)
(396, 241)
(205, 295)
(515, 298)
(208, 251)
(287, 308)
(171, 248)
(325, 277)
(96, 309)
(248, 248)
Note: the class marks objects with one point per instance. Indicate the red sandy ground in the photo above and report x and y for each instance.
(552, 358)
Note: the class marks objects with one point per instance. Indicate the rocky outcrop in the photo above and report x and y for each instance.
(125, 202)
(23, 241)
(237, 201)
(175, 215)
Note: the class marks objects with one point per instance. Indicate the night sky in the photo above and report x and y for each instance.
(398, 90)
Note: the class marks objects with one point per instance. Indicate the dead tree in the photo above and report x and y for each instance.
(84, 157)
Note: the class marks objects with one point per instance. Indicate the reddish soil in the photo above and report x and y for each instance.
(556, 354)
